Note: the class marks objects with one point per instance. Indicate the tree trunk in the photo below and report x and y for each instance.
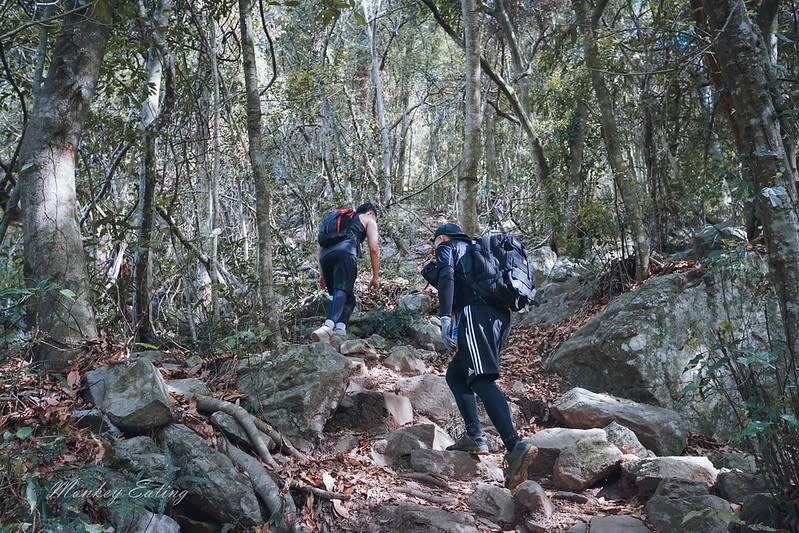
(470, 166)
(746, 66)
(54, 251)
(150, 111)
(623, 177)
(263, 193)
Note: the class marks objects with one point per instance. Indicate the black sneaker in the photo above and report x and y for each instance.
(518, 461)
(478, 446)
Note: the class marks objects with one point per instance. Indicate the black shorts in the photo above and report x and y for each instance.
(482, 331)
(339, 269)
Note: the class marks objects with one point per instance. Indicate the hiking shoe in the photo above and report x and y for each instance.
(477, 446)
(322, 334)
(518, 461)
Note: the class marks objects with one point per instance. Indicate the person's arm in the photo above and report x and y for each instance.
(446, 279)
(374, 250)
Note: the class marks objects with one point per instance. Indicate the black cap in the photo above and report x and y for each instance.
(453, 231)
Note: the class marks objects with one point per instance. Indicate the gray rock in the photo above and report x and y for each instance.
(641, 344)
(674, 499)
(134, 397)
(617, 524)
(427, 336)
(531, 499)
(759, 510)
(542, 261)
(418, 302)
(151, 523)
(650, 473)
(372, 411)
(551, 441)
(233, 431)
(300, 388)
(400, 443)
(214, 485)
(734, 461)
(420, 519)
(141, 454)
(454, 465)
(430, 396)
(494, 502)
(625, 440)
(583, 464)
(95, 421)
(405, 362)
(660, 430)
(735, 486)
(187, 387)
(358, 348)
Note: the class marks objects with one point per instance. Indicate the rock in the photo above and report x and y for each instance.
(151, 523)
(562, 292)
(430, 396)
(649, 473)
(531, 499)
(675, 498)
(660, 430)
(625, 440)
(400, 443)
(378, 342)
(134, 397)
(214, 485)
(759, 510)
(300, 388)
(571, 497)
(405, 362)
(358, 348)
(617, 524)
(551, 441)
(541, 260)
(421, 519)
(583, 464)
(187, 387)
(493, 502)
(734, 461)
(417, 302)
(141, 454)
(454, 465)
(641, 344)
(372, 411)
(235, 433)
(95, 421)
(735, 486)
(427, 336)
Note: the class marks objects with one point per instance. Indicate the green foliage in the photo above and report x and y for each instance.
(762, 373)
(392, 324)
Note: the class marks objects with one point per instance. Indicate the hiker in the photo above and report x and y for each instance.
(477, 332)
(494, 207)
(338, 265)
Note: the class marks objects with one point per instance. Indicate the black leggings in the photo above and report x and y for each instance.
(493, 400)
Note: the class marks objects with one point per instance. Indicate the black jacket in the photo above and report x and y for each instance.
(454, 288)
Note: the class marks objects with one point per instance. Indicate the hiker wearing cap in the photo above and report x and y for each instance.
(476, 331)
(338, 265)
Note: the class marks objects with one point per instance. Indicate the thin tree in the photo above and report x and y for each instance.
(473, 117)
(263, 192)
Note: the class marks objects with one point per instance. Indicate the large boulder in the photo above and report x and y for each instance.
(214, 486)
(299, 388)
(641, 346)
(134, 397)
(410, 518)
(660, 430)
(675, 499)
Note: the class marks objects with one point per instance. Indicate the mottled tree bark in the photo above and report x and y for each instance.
(470, 166)
(54, 252)
(263, 192)
(744, 60)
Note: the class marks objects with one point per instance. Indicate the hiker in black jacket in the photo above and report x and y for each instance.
(338, 265)
(477, 332)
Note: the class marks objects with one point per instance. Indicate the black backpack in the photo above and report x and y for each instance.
(500, 273)
(335, 227)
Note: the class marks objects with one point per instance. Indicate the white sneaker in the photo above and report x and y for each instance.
(322, 334)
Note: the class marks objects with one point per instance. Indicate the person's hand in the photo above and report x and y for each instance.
(373, 284)
(446, 332)
(322, 283)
